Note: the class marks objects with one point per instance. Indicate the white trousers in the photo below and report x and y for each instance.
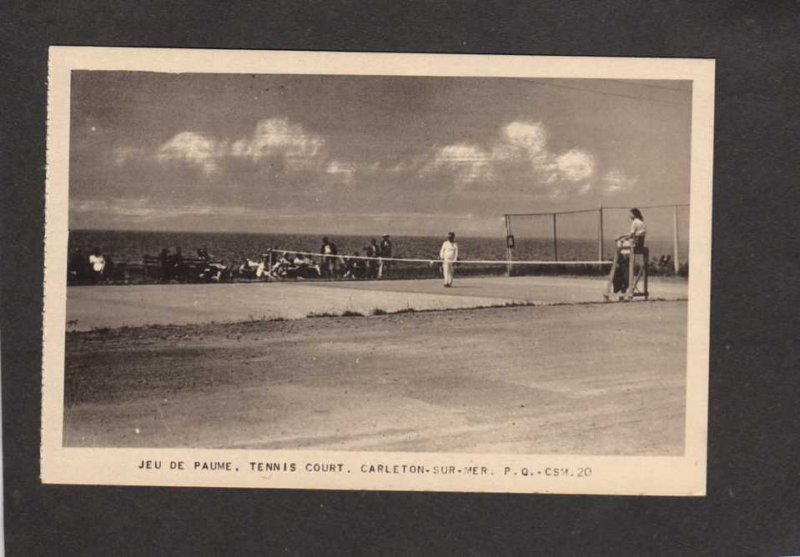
(447, 269)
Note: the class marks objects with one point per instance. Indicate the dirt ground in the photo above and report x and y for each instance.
(591, 379)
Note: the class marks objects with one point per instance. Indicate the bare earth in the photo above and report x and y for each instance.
(591, 379)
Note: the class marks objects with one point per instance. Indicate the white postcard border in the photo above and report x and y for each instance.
(589, 474)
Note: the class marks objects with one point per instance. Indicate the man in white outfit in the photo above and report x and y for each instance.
(449, 255)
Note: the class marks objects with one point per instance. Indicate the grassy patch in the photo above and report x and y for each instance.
(315, 314)
(347, 313)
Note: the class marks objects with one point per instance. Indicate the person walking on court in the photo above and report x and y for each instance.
(372, 251)
(385, 251)
(449, 255)
(328, 263)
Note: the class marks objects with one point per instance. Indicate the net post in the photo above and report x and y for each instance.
(600, 234)
(509, 254)
(676, 263)
(555, 237)
(269, 264)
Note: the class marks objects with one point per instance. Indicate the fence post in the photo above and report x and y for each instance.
(675, 239)
(509, 254)
(600, 235)
(555, 237)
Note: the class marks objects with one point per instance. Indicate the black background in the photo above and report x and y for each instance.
(753, 502)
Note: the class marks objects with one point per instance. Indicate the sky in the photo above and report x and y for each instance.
(367, 154)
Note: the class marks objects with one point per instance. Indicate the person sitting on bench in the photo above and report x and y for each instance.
(354, 268)
(306, 267)
(283, 266)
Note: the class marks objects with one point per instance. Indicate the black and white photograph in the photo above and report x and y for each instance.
(377, 271)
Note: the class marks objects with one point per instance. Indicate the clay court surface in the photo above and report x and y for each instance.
(90, 307)
(577, 378)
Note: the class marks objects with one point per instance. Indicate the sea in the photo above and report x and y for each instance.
(233, 248)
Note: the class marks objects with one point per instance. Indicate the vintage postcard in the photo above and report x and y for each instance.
(377, 271)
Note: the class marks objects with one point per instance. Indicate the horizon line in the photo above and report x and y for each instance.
(365, 235)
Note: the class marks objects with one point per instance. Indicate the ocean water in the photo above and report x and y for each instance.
(230, 248)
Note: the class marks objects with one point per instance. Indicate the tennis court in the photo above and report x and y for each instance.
(140, 305)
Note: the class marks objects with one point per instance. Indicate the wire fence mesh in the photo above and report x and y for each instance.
(590, 234)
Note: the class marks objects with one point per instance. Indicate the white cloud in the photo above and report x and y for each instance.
(129, 207)
(345, 171)
(125, 153)
(277, 137)
(615, 181)
(142, 209)
(241, 148)
(402, 166)
(88, 205)
(273, 137)
(467, 163)
(530, 137)
(575, 165)
(193, 149)
(519, 153)
(523, 145)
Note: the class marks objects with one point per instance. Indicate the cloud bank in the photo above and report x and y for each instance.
(275, 143)
(519, 156)
(282, 167)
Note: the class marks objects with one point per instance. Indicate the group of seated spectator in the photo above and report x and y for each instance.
(171, 266)
(331, 264)
(290, 265)
(355, 268)
(94, 267)
(198, 268)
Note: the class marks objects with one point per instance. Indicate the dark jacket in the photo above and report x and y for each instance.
(332, 246)
(386, 248)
